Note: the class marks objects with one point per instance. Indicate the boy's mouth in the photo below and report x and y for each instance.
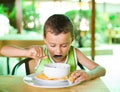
(57, 56)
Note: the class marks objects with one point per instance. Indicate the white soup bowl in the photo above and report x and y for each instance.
(56, 70)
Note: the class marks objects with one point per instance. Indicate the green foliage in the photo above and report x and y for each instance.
(76, 16)
(30, 16)
(81, 13)
(115, 19)
(3, 10)
(11, 15)
(71, 14)
(85, 13)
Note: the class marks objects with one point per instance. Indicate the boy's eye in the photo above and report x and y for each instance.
(64, 45)
(52, 45)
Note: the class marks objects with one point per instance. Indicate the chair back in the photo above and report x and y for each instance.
(24, 61)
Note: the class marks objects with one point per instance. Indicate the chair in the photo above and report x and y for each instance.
(24, 61)
(81, 66)
(27, 66)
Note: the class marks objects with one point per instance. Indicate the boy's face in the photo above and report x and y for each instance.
(58, 45)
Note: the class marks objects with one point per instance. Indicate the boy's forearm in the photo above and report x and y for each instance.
(11, 51)
(96, 72)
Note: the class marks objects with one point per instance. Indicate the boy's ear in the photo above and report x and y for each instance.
(72, 39)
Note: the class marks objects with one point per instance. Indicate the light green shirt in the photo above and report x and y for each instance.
(71, 60)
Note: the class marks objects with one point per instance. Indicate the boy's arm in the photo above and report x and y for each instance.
(13, 51)
(36, 52)
(96, 72)
(82, 75)
(94, 69)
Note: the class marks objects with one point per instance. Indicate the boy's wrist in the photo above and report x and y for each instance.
(25, 53)
(96, 72)
(90, 74)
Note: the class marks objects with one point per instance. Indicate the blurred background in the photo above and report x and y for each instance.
(96, 25)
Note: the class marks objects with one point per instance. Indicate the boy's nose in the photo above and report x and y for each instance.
(58, 50)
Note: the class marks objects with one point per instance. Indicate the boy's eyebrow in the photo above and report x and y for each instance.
(66, 43)
(62, 43)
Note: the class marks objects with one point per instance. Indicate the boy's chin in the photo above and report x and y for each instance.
(58, 60)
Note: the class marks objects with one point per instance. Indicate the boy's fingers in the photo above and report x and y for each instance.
(45, 57)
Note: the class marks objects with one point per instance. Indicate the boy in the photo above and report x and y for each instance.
(58, 36)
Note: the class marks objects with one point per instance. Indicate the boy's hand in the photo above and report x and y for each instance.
(36, 52)
(78, 76)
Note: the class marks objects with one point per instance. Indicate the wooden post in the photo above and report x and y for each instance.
(18, 15)
(93, 30)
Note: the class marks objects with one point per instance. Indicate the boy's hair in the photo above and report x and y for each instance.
(58, 23)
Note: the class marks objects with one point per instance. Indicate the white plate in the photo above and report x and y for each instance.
(29, 79)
